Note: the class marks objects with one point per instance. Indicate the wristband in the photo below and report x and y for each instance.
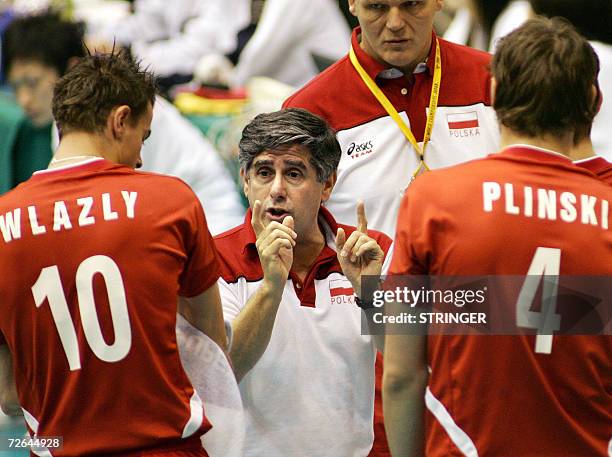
(364, 304)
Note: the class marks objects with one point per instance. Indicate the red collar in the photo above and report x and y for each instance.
(373, 67)
(595, 164)
(533, 153)
(539, 156)
(90, 165)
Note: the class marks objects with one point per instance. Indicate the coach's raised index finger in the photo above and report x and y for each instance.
(256, 218)
(362, 221)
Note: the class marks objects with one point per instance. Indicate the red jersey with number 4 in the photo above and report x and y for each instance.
(521, 210)
(93, 257)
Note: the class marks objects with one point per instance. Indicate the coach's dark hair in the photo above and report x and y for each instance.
(545, 72)
(84, 97)
(44, 38)
(292, 126)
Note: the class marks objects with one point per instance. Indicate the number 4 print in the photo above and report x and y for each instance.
(545, 263)
(49, 286)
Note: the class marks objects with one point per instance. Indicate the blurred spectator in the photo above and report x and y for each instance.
(39, 49)
(513, 16)
(466, 27)
(479, 23)
(25, 7)
(171, 37)
(294, 41)
(291, 42)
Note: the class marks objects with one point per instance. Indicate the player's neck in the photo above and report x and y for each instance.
(78, 145)
(583, 150)
(562, 144)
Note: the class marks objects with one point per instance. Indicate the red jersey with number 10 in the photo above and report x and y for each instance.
(93, 257)
(509, 396)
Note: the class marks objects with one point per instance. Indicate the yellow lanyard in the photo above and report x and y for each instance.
(388, 106)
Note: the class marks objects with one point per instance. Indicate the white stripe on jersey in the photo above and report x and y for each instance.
(33, 424)
(455, 433)
(197, 415)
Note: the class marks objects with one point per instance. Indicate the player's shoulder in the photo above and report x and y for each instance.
(599, 166)
(170, 182)
(448, 186)
(500, 166)
(12, 197)
(165, 187)
(471, 169)
(606, 176)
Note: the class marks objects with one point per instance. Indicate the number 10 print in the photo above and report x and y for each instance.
(49, 287)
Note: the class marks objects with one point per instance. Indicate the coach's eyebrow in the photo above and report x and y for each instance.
(263, 163)
(295, 163)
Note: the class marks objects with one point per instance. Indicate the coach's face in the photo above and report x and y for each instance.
(33, 84)
(286, 184)
(396, 32)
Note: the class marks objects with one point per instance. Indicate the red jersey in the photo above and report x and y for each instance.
(598, 165)
(93, 257)
(495, 395)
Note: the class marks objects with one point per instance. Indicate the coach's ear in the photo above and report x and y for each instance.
(493, 89)
(328, 186)
(245, 181)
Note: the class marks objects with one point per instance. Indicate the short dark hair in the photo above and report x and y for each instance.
(45, 38)
(545, 72)
(84, 97)
(291, 126)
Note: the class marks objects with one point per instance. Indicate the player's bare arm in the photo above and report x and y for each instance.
(360, 255)
(9, 402)
(205, 313)
(404, 382)
(252, 328)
